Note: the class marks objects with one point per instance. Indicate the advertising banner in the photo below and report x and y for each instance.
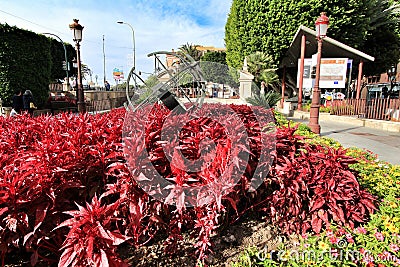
(118, 74)
(332, 73)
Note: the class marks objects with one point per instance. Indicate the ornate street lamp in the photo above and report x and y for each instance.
(77, 29)
(392, 72)
(321, 27)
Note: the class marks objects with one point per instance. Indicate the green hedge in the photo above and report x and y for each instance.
(27, 62)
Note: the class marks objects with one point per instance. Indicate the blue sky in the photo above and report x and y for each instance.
(159, 25)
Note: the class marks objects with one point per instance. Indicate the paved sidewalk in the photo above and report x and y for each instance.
(383, 143)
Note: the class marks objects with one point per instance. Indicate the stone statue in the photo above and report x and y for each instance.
(245, 68)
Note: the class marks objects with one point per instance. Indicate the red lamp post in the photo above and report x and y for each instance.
(77, 28)
(321, 26)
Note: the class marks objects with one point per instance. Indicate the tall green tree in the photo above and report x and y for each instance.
(236, 34)
(151, 81)
(269, 26)
(86, 72)
(214, 56)
(214, 68)
(219, 73)
(30, 61)
(384, 33)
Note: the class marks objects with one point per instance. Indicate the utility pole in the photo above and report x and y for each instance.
(104, 64)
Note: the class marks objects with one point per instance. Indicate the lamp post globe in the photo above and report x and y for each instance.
(77, 37)
(77, 28)
(321, 27)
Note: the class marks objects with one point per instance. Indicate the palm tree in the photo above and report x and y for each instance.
(191, 50)
(385, 12)
(85, 70)
(263, 68)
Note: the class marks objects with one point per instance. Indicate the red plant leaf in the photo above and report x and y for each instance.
(67, 257)
(317, 204)
(89, 248)
(369, 204)
(316, 224)
(34, 258)
(104, 259)
(2, 210)
(117, 238)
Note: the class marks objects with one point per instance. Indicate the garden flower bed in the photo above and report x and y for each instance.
(74, 192)
(375, 243)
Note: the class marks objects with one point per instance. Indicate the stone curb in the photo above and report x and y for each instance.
(390, 126)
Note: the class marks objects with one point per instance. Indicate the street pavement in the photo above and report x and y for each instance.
(383, 143)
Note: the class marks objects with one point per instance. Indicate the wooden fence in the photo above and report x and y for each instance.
(378, 109)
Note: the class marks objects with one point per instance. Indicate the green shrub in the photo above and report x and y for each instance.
(267, 100)
(313, 138)
(380, 178)
(304, 130)
(325, 109)
(280, 119)
(322, 109)
(29, 61)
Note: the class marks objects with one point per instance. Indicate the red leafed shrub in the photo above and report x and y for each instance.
(46, 165)
(88, 242)
(202, 161)
(314, 186)
(49, 166)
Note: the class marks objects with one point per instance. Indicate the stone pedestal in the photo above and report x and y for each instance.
(288, 108)
(245, 79)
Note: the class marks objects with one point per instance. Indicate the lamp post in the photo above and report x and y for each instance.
(134, 46)
(77, 28)
(392, 77)
(321, 26)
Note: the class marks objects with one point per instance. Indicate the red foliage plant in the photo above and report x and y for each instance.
(314, 186)
(51, 165)
(46, 165)
(88, 242)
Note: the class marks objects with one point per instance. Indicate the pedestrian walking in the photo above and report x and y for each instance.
(17, 102)
(107, 86)
(29, 102)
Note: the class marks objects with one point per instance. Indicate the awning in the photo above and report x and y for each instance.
(330, 49)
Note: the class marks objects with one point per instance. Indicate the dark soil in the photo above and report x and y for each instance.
(228, 245)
